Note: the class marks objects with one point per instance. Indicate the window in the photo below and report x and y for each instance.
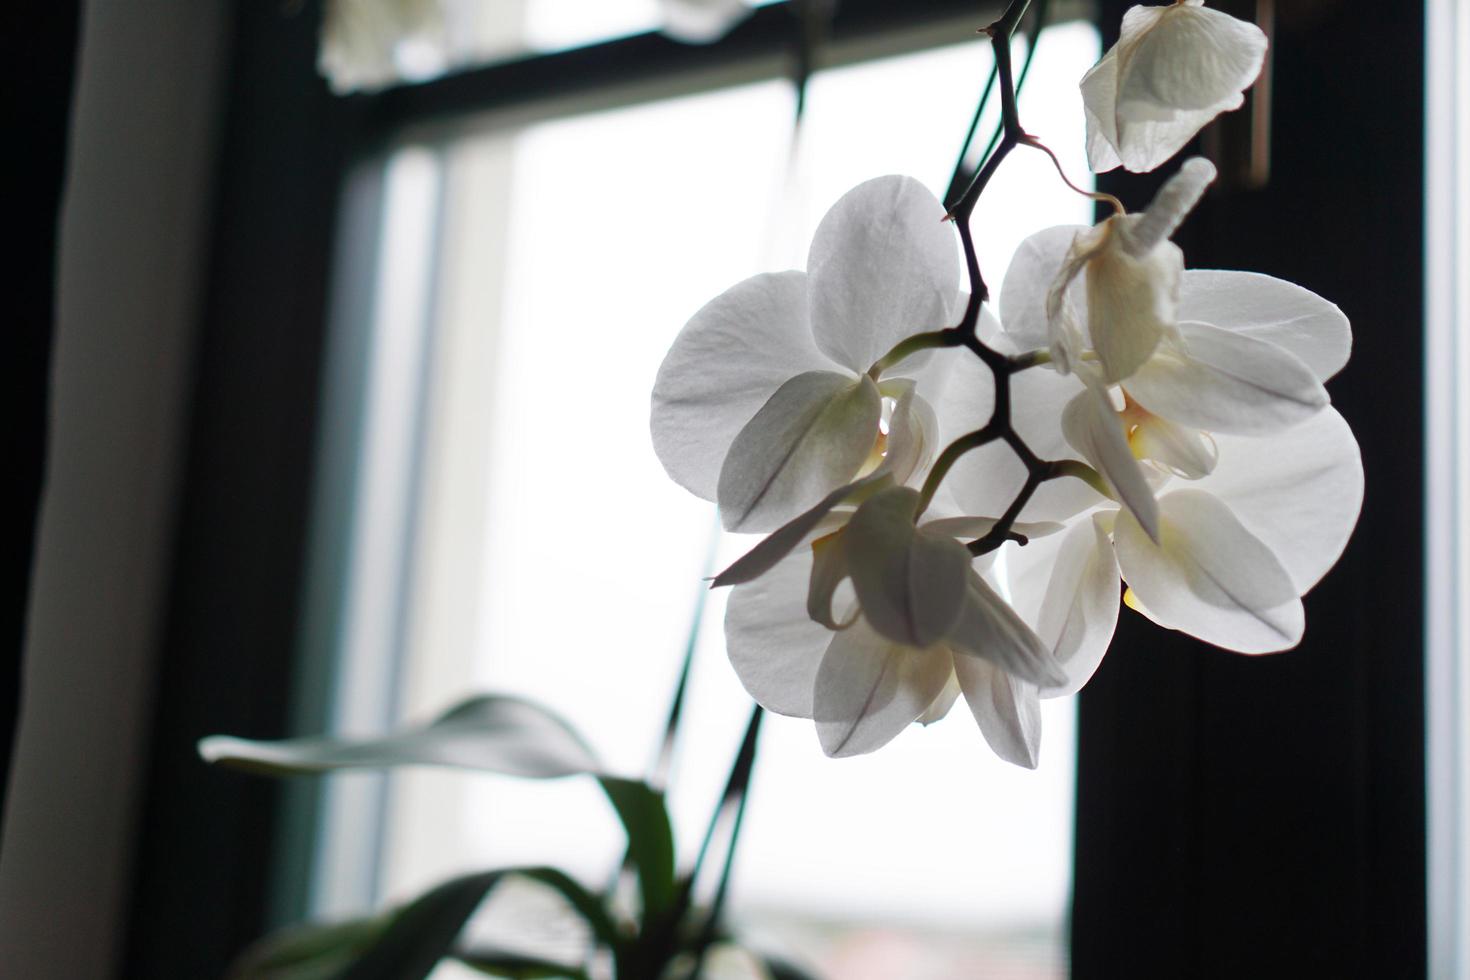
(528, 281)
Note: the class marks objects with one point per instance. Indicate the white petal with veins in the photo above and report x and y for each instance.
(811, 436)
(1210, 576)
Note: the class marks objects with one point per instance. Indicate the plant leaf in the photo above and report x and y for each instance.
(316, 951)
(423, 932)
(498, 963)
(645, 817)
(495, 732)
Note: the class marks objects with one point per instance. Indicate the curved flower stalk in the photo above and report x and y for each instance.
(777, 392)
(1174, 68)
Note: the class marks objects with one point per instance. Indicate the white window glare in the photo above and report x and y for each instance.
(554, 558)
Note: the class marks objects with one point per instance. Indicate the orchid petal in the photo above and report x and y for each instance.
(1170, 206)
(780, 542)
(1095, 430)
(913, 431)
(1030, 275)
(911, 585)
(1270, 309)
(810, 436)
(1174, 69)
(723, 366)
(1132, 299)
(1184, 451)
(882, 267)
(829, 570)
(1210, 576)
(1224, 381)
(1193, 59)
(1298, 491)
(868, 689)
(1099, 104)
(1007, 710)
(941, 705)
(773, 645)
(989, 629)
(1069, 587)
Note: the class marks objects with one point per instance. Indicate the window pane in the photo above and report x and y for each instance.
(552, 557)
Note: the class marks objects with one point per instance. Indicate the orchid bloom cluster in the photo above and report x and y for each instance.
(950, 500)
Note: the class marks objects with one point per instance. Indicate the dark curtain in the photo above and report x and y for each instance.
(1264, 816)
(38, 53)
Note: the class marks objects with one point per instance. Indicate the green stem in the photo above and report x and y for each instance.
(912, 345)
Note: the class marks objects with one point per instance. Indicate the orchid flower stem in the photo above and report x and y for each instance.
(737, 788)
(948, 337)
(1002, 366)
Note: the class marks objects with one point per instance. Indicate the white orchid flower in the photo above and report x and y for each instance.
(1174, 69)
(864, 616)
(772, 395)
(362, 40)
(1242, 533)
(701, 21)
(1116, 290)
(920, 625)
(1210, 366)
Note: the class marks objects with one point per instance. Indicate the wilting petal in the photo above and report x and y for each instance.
(1132, 299)
(1270, 309)
(1099, 105)
(1068, 326)
(1095, 430)
(1170, 206)
(990, 629)
(868, 689)
(780, 542)
(1069, 587)
(1030, 275)
(882, 267)
(1298, 491)
(1224, 381)
(1007, 709)
(1174, 69)
(1210, 576)
(1193, 59)
(730, 357)
(773, 646)
(910, 584)
(812, 436)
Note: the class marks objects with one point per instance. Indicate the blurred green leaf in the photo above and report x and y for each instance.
(423, 932)
(495, 733)
(645, 817)
(308, 952)
(780, 969)
(496, 963)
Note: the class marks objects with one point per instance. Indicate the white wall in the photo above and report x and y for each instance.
(132, 258)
